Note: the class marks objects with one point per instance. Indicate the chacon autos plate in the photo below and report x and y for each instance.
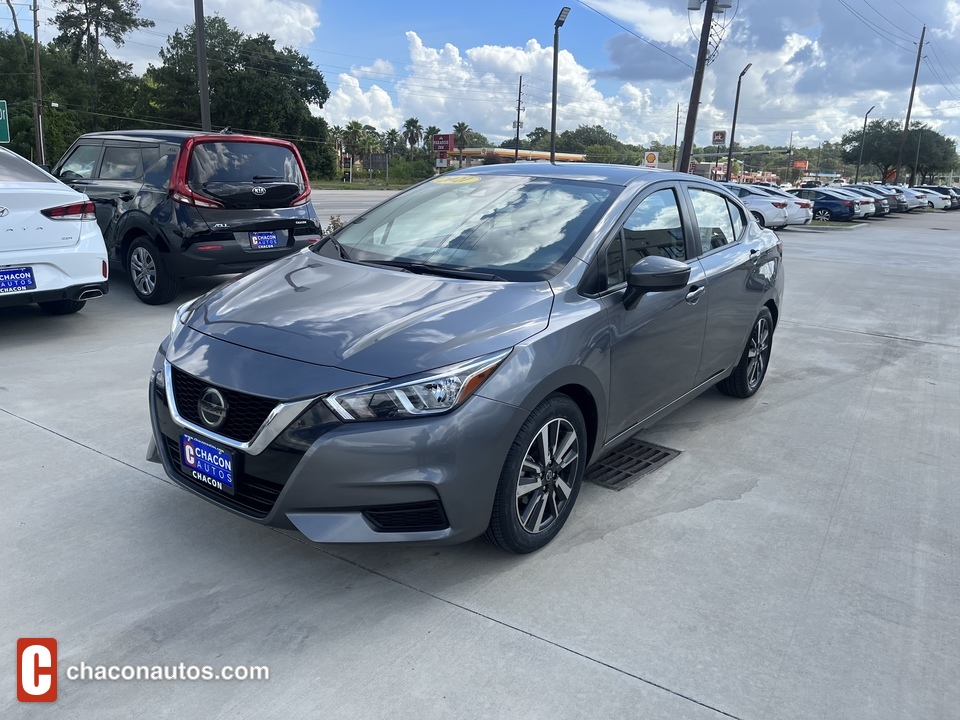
(264, 240)
(207, 463)
(17, 279)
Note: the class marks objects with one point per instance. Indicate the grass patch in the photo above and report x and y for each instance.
(359, 184)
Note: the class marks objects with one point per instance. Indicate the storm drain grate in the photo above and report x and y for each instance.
(628, 462)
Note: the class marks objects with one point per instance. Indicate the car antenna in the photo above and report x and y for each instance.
(226, 131)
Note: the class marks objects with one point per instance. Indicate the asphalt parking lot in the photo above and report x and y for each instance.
(799, 559)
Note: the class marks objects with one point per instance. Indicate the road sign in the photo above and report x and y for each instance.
(651, 159)
(4, 123)
(443, 143)
(693, 166)
(801, 164)
(719, 137)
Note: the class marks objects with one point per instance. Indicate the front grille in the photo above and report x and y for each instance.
(245, 413)
(253, 495)
(410, 517)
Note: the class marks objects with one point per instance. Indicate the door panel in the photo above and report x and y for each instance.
(654, 346)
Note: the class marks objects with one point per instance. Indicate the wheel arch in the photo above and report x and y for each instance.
(132, 231)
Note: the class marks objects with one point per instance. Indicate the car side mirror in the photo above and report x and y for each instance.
(654, 274)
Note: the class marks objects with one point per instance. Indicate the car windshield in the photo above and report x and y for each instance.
(498, 226)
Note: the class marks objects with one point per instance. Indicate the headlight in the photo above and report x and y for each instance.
(431, 394)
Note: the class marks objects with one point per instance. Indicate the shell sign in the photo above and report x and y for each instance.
(651, 159)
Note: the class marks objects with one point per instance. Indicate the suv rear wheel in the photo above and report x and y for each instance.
(150, 281)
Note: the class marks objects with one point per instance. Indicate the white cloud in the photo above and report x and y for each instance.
(287, 21)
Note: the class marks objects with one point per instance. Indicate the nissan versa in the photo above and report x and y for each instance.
(448, 364)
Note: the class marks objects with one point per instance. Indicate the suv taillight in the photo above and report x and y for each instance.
(303, 198)
(183, 194)
(75, 211)
(179, 190)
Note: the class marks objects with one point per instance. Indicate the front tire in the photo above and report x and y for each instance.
(747, 377)
(541, 477)
(62, 307)
(150, 281)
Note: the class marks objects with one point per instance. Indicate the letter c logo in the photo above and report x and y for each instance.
(36, 669)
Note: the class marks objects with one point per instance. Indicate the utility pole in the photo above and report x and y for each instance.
(916, 161)
(202, 66)
(516, 147)
(676, 137)
(693, 108)
(913, 89)
(819, 156)
(38, 105)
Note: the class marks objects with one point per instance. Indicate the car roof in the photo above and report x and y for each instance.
(175, 136)
(587, 172)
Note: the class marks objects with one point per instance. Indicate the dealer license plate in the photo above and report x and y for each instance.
(17, 279)
(264, 240)
(207, 463)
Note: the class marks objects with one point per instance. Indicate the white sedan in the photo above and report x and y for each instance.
(799, 211)
(915, 198)
(51, 249)
(768, 211)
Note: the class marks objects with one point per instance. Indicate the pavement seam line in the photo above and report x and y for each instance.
(509, 626)
(87, 447)
(884, 336)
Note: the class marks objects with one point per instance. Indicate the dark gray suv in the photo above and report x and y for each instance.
(448, 364)
(174, 204)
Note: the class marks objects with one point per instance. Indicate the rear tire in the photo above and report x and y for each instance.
(823, 215)
(747, 377)
(150, 281)
(62, 307)
(541, 477)
(758, 217)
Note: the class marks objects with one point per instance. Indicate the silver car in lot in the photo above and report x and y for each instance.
(448, 364)
(799, 211)
(768, 211)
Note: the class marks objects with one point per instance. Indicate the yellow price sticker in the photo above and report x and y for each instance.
(453, 179)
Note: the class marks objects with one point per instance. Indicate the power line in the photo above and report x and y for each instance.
(636, 35)
(883, 34)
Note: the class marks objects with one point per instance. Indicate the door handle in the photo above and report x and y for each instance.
(126, 196)
(755, 256)
(694, 295)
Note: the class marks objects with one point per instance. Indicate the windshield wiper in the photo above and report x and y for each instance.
(336, 243)
(441, 270)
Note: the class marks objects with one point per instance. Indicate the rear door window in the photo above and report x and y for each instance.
(121, 163)
(713, 217)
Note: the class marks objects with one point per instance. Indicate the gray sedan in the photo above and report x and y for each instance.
(448, 364)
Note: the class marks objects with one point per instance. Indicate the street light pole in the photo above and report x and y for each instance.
(863, 136)
(733, 129)
(561, 18)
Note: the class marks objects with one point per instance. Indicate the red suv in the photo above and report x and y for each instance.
(174, 204)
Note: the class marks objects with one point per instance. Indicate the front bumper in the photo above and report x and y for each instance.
(420, 480)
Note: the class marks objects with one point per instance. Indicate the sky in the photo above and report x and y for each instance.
(817, 65)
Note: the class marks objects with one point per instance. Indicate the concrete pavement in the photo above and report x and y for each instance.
(798, 560)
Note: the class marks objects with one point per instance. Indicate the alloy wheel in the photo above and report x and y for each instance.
(143, 270)
(758, 352)
(547, 475)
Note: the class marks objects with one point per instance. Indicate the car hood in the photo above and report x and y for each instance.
(369, 319)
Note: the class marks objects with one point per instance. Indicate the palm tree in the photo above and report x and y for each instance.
(428, 137)
(460, 131)
(336, 135)
(369, 144)
(391, 137)
(412, 132)
(353, 137)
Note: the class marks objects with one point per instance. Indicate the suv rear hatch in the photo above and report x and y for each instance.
(246, 174)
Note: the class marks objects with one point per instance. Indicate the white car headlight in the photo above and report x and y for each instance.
(430, 394)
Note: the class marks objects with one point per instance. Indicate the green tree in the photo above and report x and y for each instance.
(600, 154)
(254, 87)
(412, 133)
(391, 139)
(461, 134)
(336, 137)
(353, 138)
(881, 144)
(83, 25)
